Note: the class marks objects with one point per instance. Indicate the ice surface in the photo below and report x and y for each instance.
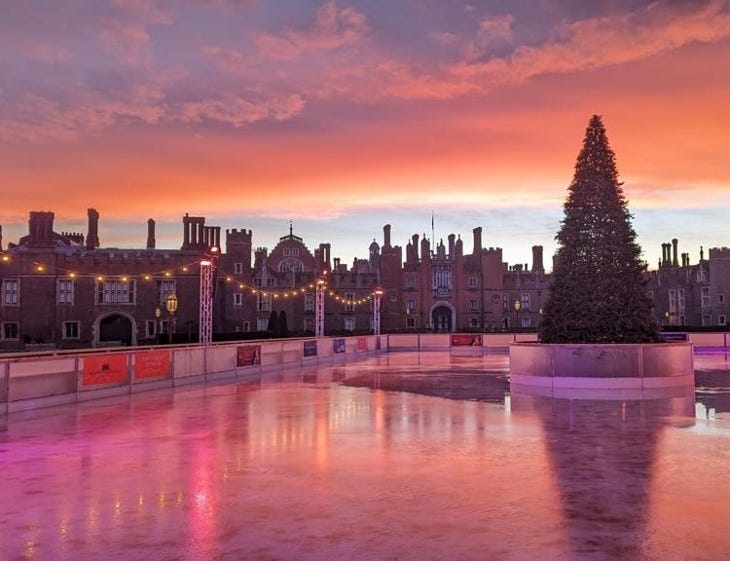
(399, 457)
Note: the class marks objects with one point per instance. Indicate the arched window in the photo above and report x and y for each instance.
(291, 265)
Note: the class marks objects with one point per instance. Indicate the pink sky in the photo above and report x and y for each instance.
(344, 116)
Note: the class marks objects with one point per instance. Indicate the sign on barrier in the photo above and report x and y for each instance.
(338, 345)
(362, 344)
(310, 348)
(248, 355)
(466, 340)
(104, 369)
(151, 364)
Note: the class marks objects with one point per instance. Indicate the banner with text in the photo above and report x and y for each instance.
(248, 355)
(151, 364)
(310, 348)
(338, 345)
(466, 340)
(104, 369)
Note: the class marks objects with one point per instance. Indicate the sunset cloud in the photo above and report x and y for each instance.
(337, 109)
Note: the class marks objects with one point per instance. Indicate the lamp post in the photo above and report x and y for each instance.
(376, 310)
(171, 305)
(518, 305)
(158, 315)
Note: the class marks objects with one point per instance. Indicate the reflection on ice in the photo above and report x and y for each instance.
(402, 456)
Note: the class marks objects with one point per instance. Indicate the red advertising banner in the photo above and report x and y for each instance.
(248, 355)
(466, 340)
(362, 344)
(151, 364)
(104, 369)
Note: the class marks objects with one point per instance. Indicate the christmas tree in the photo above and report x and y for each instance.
(598, 290)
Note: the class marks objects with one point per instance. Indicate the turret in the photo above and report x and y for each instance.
(92, 236)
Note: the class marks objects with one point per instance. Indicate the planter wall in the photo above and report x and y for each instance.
(586, 366)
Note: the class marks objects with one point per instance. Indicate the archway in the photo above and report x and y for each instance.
(116, 328)
(443, 317)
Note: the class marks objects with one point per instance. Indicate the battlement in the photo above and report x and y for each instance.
(720, 252)
(236, 233)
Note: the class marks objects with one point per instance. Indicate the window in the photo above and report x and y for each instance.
(705, 298)
(167, 287)
(349, 324)
(115, 292)
(238, 298)
(505, 302)
(11, 330)
(238, 268)
(525, 321)
(701, 275)
(247, 326)
(71, 329)
(525, 304)
(672, 301)
(473, 322)
(150, 330)
(308, 302)
(11, 292)
(410, 283)
(309, 325)
(163, 326)
(262, 324)
(65, 294)
(681, 302)
(290, 265)
(270, 282)
(722, 320)
(411, 322)
(473, 304)
(257, 282)
(472, 282)
(721, 298)
(410, 305)
(263, 304)
(349, 304)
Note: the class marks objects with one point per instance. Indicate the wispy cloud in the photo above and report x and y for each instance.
(333, 27)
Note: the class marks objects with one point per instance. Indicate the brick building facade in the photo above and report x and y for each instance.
(66, 291)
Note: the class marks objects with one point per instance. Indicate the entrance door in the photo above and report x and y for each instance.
(115, 328)
(441, 319)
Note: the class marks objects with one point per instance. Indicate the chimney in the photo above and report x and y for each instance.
(386, 236)
(150, 234)
(425, 249)
(537, 266)
(40, 227)
(92, 237)
(675, 262)
(477, 240)
(459, 247)
(452, 240)
(415, 246)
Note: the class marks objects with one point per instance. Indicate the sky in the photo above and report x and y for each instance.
(345, 115)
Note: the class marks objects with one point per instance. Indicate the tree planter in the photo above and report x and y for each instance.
(634, 366)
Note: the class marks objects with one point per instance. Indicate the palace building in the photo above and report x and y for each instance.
(65, 290)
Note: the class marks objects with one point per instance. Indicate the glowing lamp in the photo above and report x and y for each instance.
(171, 303)
(205, 263)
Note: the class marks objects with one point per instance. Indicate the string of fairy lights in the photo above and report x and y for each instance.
(229, 279)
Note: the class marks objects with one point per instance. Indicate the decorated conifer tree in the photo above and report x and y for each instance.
(598, 292)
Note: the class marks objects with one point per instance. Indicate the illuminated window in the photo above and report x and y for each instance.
(167, 287)
(11, 292)
(65, 294)
(115, 292)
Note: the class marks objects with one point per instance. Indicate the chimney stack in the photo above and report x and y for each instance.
(675, 262)
(537, 266)
(150, 234)
(386, 236)
(92, 237)
(477, 240)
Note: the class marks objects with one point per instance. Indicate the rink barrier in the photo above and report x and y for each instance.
(53, 377)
